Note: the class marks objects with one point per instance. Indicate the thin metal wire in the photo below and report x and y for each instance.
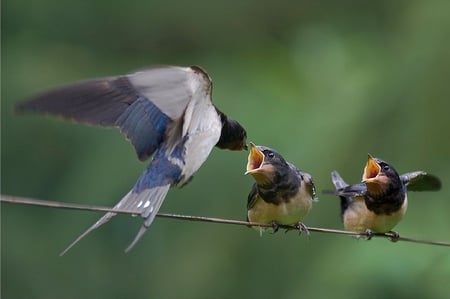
(62, 205)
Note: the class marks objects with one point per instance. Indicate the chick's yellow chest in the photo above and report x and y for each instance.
(286, 212)
(358, 218)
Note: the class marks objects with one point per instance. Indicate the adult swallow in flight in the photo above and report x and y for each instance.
(378, 203)
(282, 194)
(166, 112)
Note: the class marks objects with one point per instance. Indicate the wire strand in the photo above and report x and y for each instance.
(71, 206)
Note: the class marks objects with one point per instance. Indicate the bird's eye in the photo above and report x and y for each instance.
(270, 154)
(385, 167)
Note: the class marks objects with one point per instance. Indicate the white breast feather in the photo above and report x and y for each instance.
(201, 124)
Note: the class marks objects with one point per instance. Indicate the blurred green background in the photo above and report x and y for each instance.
(323, 82)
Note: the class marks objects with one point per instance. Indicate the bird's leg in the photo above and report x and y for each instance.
(369, 234)
(394, 236)
(302, 228)
(275, 226)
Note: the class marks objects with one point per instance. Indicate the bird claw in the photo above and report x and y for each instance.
(394, 236)
(275, 227)
(302, 228)
(369, 234)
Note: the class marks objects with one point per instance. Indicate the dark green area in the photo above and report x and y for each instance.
(323, 82)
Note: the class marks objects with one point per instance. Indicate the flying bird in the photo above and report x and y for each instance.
(379, 202)
(165, 112)
(281, 194)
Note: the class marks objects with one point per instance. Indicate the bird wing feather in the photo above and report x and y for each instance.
(144, 105)
(252, 196)
(420, 181)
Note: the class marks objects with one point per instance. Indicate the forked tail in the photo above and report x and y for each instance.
(145, 203)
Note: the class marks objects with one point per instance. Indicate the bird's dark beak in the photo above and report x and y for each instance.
(242, 146)
(371, 170)
(255, 159)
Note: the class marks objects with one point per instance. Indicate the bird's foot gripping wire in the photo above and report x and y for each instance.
(369, 234)
(275, 227)
(302, 228)
(393, 236)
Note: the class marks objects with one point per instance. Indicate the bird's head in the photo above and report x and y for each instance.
(264, 163)
(379, 175)
(233, 136)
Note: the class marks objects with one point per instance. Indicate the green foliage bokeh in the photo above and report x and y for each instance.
(323, 82)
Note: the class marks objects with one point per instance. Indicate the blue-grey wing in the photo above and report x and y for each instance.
(420, 181)
(145, 105)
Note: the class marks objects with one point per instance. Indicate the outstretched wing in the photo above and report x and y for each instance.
(145, 105)
(420, 181)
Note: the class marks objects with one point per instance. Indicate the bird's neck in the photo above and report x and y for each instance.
(280, 188)
(385, 199)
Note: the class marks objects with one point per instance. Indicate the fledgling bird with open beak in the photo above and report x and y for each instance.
(282, 194)
(379, 202)
(166, 112)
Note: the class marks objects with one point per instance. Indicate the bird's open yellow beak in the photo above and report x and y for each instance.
(371, 170)
(255, 159)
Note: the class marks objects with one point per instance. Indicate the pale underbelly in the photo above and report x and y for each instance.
(283, 213)
(358, 218)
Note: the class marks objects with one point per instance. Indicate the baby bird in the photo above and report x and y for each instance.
(282, 194)
(379, 202)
